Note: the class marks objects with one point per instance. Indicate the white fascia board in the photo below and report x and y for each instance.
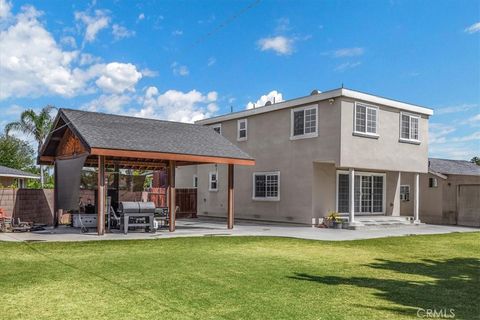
(18, 176)
(273, 107)
(316, 98)
(387, 102)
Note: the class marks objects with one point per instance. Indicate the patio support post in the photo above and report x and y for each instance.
(230, 212)
(101, 196)
(351, 202)
(416, 217)
(171, 195)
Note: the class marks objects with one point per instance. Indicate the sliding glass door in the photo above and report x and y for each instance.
(369, 192)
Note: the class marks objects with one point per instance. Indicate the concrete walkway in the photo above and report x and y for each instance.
(213, 227)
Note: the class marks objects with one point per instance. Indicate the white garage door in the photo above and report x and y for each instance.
(468, 205)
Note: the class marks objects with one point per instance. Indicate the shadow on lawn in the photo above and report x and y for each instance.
(455, 285)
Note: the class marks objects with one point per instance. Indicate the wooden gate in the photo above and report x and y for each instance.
(186, 201)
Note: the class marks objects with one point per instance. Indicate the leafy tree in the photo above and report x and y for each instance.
(35, 125)
(15, 153)
(476, 160)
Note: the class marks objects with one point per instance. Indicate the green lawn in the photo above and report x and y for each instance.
(241, 278)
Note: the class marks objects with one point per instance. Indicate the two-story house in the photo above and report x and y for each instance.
(336, 151)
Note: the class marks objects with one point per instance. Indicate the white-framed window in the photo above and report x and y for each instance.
(405, 192)
(195, 181)
(365, 119)
(266, 186)
(432, 183)
(304, 122)
(242, 130)
(213, 181)
(409, 127)
(217, 128)
(369, 192)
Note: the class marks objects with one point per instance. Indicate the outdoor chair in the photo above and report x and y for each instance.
(22, 226)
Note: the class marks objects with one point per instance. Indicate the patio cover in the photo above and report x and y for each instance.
(107, 140)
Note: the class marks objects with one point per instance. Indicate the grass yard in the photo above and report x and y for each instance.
(241, 278)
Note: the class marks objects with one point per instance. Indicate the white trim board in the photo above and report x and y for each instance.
(18, 176)
(341, 92)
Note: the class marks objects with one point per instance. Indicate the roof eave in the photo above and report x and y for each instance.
(171, 156)
(320, 97)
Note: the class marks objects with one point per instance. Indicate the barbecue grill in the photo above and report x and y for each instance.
(137, 214)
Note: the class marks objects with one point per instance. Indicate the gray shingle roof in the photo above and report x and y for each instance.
(9, 172)
(460, 167)
(100, 130)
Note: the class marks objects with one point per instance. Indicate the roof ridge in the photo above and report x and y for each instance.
(127, 116)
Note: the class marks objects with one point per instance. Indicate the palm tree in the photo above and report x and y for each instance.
(35, 125)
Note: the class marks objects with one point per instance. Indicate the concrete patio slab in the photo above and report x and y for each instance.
(203, 227)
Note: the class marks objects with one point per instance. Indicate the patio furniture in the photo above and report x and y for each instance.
(21, 226)
(161, 215)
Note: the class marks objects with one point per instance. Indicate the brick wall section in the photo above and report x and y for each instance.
(33, 205)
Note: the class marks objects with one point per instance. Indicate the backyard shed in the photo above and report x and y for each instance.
(122, 142)
(452, 193)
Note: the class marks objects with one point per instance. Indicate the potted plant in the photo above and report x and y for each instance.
(333, 220)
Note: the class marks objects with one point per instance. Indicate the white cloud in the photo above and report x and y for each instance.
(348, 52)
(473, 28)
(177, 105)
(87, 59)
(179, 70)
(347, 65)
(113, 103)
(459, 151)
(14, 109)
(454, 109)
(93, 23)
(46, 70)
(5, 9)
(118, 77)
(120, 32)
(438, 132)
(475, 136)
(211, 61)
(177, 32)
(282, 45)
(443, 143)
(49, 70)
(272, 96)
(283, 25)
(473, 120)
(146, 72)
(141, 16)
(69, 41)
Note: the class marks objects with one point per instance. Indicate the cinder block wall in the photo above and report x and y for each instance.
(34, 205)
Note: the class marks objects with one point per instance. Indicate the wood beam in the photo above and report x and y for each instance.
(171, 196)
(127, 163)
(230, 203)
(101, 196)
(170, 156)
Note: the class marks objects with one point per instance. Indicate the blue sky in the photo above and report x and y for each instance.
(186, 60)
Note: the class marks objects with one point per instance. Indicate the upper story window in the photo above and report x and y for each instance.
(409, 127)
(213, 181)
(304, 122)
(217, 128)
(242, 129)
(366, 118)
(266, 186)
